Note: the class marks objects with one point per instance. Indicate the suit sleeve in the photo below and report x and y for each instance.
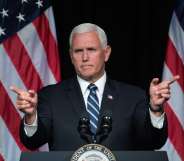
(43, 133)
(147, 136)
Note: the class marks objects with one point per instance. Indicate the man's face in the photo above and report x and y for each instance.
(88, 56)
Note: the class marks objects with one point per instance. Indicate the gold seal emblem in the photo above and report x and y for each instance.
(93, 152)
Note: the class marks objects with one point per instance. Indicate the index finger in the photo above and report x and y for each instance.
(16, 90)
(176, 77)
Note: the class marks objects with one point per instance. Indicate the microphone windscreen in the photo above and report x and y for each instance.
(107, 113)
(84, 118)
(107, 116)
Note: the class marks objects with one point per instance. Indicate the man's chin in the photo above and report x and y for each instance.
(87, 77)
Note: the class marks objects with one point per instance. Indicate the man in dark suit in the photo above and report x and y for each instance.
(52, 116)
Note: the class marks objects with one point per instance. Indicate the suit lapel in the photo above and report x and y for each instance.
(108, 104)
(76, 98)
(109, 99)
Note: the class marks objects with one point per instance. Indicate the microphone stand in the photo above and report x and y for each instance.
(105, 128)
(84, 130)
(88, 136)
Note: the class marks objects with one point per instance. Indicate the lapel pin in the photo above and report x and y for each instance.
(110, 97)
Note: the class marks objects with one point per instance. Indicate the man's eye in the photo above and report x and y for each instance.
(91, 49)
(78, 51)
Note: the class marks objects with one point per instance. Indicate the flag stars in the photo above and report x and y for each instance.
(2, 31)
(4, 13)
(20, 17)
(39, 3)
(24, 1)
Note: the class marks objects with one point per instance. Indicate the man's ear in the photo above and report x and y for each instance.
(71, 55)
(107, 53)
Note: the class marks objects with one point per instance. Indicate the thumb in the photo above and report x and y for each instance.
(32, 93)
(154, 81)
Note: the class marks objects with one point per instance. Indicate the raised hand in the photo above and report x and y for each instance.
(160, 92)
(26, 103)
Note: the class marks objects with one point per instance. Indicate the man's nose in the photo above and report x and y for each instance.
(85, 55)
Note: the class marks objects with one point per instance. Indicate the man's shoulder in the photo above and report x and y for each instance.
(62, 85)
(129, 89)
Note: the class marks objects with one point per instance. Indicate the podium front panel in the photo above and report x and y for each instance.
(120, 156)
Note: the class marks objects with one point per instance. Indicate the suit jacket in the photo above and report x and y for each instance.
(60, 106)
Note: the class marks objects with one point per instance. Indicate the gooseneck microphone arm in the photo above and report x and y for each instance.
(103, 132)
(105, 128)
(84, 129)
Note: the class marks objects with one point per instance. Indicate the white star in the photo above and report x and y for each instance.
(26, 1)
(39, 3)
(2, 31)
(20, 17)
(4, 13)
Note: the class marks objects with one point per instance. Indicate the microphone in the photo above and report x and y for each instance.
(84, 129)
(106, 126)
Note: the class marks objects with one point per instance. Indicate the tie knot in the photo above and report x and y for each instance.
(92, 87)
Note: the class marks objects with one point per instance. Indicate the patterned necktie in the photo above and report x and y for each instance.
(93, 107)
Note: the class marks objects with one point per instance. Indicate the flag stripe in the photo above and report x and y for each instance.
(9, 76)
(10, 116)
(175, 64)
(175, 106)
(171, 151)
(49, 14)
(42, 26)
(176, 103)
(26, 62)
(176, 34)
(8, 146)
(36, 53)
(31, 79)
(175, 131)
(1, 158)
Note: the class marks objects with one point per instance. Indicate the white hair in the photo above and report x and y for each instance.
(89, 27)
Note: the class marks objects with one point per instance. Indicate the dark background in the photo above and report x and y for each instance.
(137, 31)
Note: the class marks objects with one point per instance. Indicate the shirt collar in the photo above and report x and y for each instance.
(100, 83)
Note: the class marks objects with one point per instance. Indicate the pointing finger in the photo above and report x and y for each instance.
(16, 90)
(176, 77)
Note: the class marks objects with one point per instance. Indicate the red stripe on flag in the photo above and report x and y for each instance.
(175, 131)
(17, 52)
(10, 116)
(42, 26)
(1, 158)
(174, 63)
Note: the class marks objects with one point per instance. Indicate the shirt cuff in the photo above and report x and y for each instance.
(30, 129)
(157, 121)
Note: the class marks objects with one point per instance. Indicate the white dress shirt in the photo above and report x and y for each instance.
(156, 121)
(100, 84)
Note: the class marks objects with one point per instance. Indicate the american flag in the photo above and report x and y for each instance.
(173, 65)
(29, 59)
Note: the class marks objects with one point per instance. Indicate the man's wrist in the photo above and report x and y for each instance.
(29, 119)
(156, 109)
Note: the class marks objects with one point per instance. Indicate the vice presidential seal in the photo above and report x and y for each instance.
(93, 152)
